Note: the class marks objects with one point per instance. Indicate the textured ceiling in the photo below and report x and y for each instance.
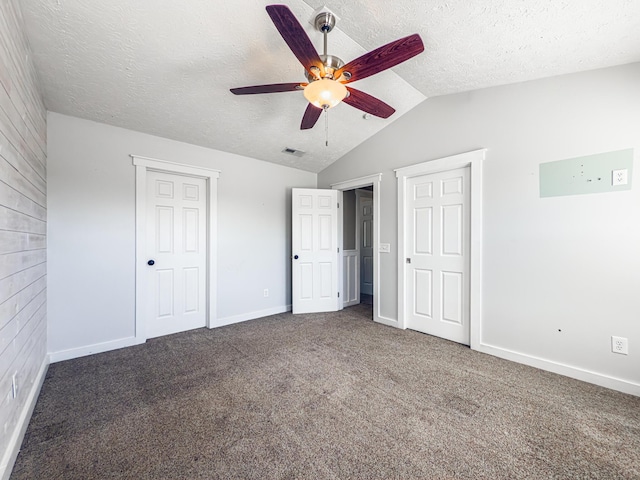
(165, 67)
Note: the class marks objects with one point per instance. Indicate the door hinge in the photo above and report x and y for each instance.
(338, 204)
(338, 249)
(338, 294)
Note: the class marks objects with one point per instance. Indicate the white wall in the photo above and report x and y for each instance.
(92, 232)
(23, 223)
(550, 264)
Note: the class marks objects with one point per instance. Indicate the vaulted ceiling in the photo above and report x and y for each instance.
(166, 67)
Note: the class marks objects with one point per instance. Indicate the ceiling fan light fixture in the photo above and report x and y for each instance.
(325, 93)
(328, 74)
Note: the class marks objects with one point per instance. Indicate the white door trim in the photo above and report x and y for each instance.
(473, 160)
(143, 164)
(374, 180)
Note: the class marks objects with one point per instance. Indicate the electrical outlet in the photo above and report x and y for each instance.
(619, 177)
(266, 292)
(14, 385)
(620, 345)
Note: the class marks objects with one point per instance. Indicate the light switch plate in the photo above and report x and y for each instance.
(385, 248)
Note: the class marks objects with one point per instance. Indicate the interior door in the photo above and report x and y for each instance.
(366, 243)
(177, 250)
(437, 234)
(314, 260)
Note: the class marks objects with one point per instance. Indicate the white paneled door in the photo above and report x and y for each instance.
(437, 270)
(314, 252)
(177, 251)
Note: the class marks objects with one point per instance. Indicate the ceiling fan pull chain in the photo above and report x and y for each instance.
(326, 127)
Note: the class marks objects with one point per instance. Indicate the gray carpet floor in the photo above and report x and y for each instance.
(322, 396)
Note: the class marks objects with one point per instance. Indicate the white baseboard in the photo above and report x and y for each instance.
(130, 341)
(23, 422)
(243, 317)
(351, 303)
(568, 371)
(91, 349)
(386, 321)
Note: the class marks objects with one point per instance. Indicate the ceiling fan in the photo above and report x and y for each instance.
(328, 75)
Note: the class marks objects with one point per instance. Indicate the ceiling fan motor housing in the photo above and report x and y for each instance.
(331, 64)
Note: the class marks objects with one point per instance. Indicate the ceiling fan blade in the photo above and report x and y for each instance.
(367, 103)
(295, 36)
(382, 58)
(310, 117)
(272, 88)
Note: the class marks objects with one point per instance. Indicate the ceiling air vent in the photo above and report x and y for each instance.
(293, 151)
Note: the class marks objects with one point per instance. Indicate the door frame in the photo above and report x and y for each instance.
(474, 161)
(142, 165)
(374, 180)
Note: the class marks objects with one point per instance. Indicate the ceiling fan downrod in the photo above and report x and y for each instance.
(324, 23)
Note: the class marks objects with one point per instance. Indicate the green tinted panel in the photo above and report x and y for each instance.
(590, 174)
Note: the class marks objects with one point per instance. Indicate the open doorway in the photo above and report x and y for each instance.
(357, 238)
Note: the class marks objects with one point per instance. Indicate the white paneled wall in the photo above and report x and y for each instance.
(23, 216)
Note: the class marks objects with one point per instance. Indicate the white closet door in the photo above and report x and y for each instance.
(177, 248)
(437, 227)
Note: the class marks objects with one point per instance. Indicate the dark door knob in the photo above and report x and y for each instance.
(295, 257)
(151, 262)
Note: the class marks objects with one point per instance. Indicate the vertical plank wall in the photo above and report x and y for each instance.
(23, 215)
